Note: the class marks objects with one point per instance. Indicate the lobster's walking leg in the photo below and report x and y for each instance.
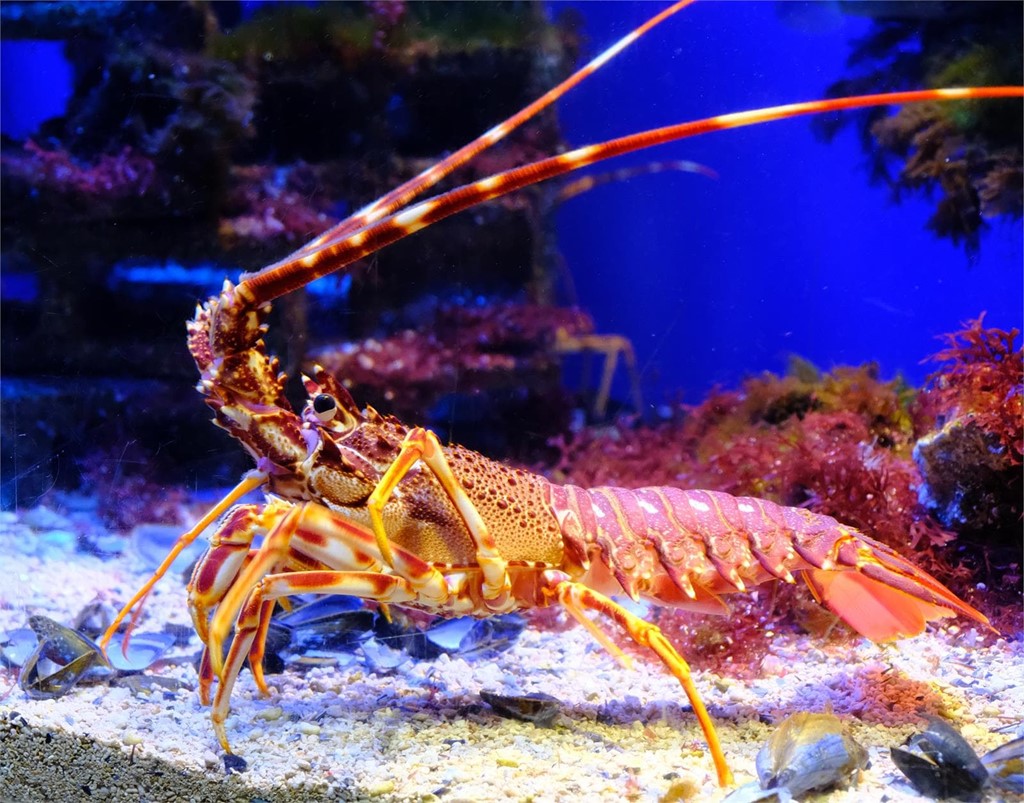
(259, 647)
(422, 444)
(609, 346)
(577, 599)
(252, 620)
(322, 535)
(251, 481)
(228, 553)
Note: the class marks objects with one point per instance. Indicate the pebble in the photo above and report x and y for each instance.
(506, 759)
(773, 665)
(453, 757)
(42, 518)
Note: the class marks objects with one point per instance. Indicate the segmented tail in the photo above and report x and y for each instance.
(690, 547)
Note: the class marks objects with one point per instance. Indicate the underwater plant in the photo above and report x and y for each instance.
(850, 445)
(970, 459)
(967, 154)
(982, 377)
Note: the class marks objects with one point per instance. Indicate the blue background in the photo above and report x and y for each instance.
(790, 251)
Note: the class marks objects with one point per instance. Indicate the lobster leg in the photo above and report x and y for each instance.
(422, 445)
(256, 652)
(280, 521)
(577, 599)
(327, 537)
(251, 481)
(609, 346)
(214, 574)
(253, 618)
(259, 647)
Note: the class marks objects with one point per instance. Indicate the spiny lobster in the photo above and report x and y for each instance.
(359, 504)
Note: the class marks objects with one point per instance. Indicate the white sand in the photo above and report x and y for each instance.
(421, 732)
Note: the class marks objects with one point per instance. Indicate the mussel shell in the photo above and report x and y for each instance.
(753, 793)
(485, 636)
(809, 751)
(320, 609)
(17, 645)
(144, 650)
(327, 624)
(60, 660)
(41, 681)
(940, 763)
(381, 658)
(449, 634)
(61, 644)
(1005, 767)
(540, 709)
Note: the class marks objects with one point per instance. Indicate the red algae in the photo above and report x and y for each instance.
(842, 444)
(982, 376)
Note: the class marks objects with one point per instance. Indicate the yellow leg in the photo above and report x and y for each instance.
(251, 481)
(578, 598)
(610, 346)
(280, 520)
(322, 534)
(422, 445)
(259, 647)
(229, 551)
(261, 598)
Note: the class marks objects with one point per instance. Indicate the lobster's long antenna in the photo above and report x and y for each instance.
(587, 183)
(289, 275)
(402, 195)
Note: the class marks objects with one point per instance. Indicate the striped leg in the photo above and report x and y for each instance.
(422, 445)
(251, 481)
(216, 571)
(297, 535)
(577, 599)
(609, 346)
(252, 620)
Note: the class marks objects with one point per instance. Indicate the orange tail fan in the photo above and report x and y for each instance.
(882, 595)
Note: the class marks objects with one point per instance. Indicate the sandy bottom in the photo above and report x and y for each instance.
(420, 732)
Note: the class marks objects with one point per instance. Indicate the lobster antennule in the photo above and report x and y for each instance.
(340, 252)
(883, 596)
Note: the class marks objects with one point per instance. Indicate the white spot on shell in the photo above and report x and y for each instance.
(648, 507)
(597, 511)
(696, 505)
(745, 508)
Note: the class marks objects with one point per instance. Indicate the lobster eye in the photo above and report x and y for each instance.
(325, 407)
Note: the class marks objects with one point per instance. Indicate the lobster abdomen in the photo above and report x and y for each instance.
(688, 548)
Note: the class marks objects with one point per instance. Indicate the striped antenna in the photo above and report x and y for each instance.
(400, 196)
(587, 183)
(279, 279)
